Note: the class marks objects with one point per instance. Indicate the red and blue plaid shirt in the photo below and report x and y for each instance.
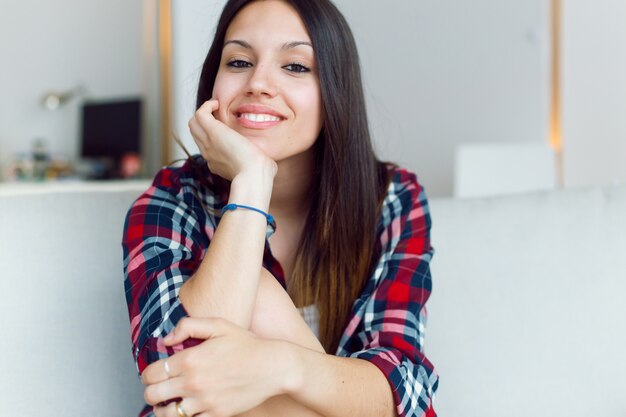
(170, 226)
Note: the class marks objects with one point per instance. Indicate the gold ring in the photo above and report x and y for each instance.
(180, 410)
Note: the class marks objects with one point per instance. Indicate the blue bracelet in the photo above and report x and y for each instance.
(269, 217)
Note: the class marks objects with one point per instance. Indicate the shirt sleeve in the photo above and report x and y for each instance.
(163, 242)
(388, 327)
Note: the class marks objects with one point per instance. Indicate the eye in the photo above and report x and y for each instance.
(295, 67)
(238, 63)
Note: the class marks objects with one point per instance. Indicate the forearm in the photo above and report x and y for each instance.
(336, 386)
(225, 284)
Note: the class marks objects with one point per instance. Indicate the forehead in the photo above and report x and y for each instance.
(268, 21)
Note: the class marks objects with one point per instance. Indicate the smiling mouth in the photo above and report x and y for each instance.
(259, 118)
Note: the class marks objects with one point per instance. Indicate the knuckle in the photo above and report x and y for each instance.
(199, 142)
(144, 377)
(149, 395)
(187, 361)
(205, 109)
(192, 384)
(200, 118)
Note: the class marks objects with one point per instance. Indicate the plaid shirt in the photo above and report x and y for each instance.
(170, 226)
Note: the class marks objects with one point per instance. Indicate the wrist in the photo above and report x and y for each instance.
(263, 170)
(253, 187)
(292, 370)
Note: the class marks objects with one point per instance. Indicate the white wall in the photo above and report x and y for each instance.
(447, 72)
(193, 27)
(57, 45)
(437, 74)
(594, 92)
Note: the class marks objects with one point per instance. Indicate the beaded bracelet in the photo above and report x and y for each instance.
(232, 206)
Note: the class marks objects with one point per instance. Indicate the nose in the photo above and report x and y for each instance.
(261, 82)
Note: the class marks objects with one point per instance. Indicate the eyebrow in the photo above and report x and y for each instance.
(291, 45)
(288, 45)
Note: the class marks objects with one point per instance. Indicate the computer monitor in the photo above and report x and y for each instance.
(110, 131)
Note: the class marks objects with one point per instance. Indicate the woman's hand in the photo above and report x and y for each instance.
(231, 372)
(227, 152)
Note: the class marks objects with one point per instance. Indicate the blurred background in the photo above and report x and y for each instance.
(479, 98)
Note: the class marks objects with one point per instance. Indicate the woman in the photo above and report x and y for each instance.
(322, 314)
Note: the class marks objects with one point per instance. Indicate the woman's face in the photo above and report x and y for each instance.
(267, 83)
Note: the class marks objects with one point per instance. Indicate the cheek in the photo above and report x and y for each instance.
(310, 103)
(223, 93)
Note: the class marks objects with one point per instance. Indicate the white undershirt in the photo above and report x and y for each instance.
(311, 316)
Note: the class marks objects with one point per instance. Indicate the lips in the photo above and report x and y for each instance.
(258, 116)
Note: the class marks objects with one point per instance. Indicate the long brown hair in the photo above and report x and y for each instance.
(336, 251)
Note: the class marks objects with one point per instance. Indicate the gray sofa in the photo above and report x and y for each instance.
(527, 315)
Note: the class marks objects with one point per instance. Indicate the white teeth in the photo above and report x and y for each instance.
(260, 117)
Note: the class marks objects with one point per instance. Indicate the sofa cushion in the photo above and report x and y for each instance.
(65, 347)
(528, 311)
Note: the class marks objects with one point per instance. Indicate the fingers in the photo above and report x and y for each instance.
(209, 106)
(160, 371)
(187, 406)
(164, 391)
(198, 134)
(165, 411)
(164, 369)
(205, 129)
(204, 114)
(196, 328)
